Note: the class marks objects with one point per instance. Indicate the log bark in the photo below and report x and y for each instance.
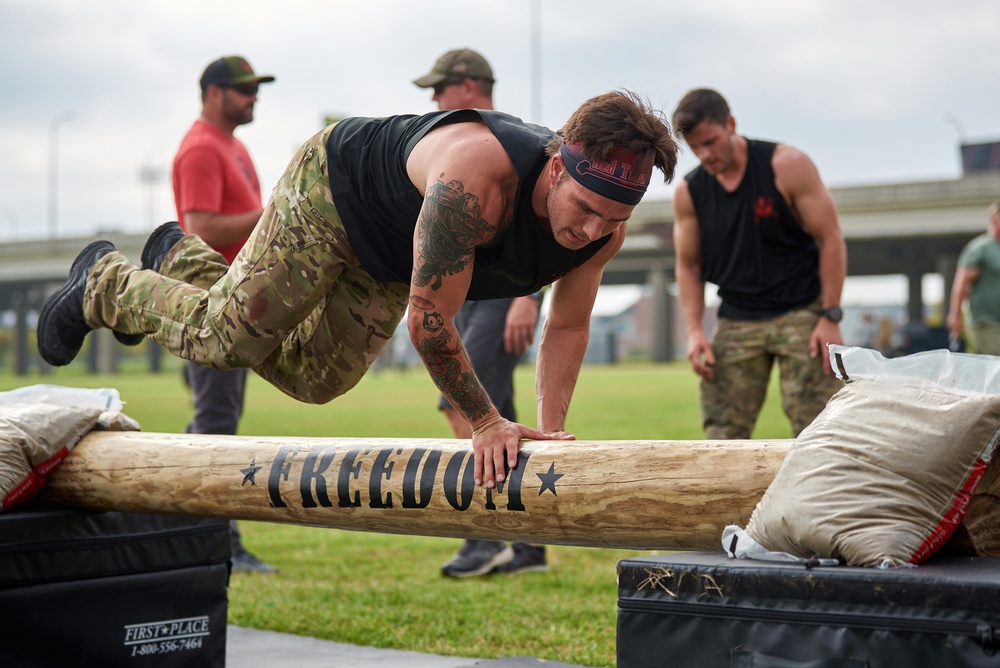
(648, 495)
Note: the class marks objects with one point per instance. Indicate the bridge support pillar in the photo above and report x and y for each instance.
(661, 315)
(915, 299)
(19, 344)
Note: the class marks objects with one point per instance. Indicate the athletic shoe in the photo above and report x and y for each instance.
(245, 562)
(527, 558)
(61, 329)
(157, 245)
(478, 557)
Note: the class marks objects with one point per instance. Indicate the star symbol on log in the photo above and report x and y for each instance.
(249, 473)
(549, 480)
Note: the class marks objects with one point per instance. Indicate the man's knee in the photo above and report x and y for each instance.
(726, 432)
(802, 408)
(311, 388)
(805, 391)
(727, 417)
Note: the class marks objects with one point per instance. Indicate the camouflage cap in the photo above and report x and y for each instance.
(231, 71)
(459, 63)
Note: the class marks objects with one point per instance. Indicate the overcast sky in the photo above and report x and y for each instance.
(875, 92)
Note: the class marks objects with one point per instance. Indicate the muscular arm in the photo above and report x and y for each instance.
(691, 289)
(217, 229)
(450, 227)
(798, 180)
(467, 181)
(200, 179)
(565, 336)
(965, 277)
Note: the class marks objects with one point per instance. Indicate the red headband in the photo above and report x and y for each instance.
(623, 177)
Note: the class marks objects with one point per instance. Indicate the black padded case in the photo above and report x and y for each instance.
(81, 588)
(705, 610)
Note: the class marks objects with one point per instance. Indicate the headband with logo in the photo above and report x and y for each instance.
(623, 177)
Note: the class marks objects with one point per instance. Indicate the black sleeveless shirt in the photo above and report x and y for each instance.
(752, 245)
(379, 205)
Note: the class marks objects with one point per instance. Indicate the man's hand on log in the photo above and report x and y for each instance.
(495, 444)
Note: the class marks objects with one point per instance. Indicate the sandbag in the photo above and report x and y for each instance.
(884, 475)
(40, 424)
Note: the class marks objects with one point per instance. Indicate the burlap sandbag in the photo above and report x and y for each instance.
(40, 424)
(34, 439)
(883, 476)
(979, 533)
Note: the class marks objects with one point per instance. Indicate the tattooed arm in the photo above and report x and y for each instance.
(450, 227)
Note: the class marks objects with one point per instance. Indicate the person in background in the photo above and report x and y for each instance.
(496, 332)
(755, 219)
(217, 195)
(978, 279)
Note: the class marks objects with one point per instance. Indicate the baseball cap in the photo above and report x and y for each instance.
(460, 63)
(231, 71)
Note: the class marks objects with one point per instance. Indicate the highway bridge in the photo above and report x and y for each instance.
(912, 229)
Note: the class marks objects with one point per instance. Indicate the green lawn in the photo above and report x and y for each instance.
(386, 590)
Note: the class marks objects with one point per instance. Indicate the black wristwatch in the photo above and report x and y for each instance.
(833, 314)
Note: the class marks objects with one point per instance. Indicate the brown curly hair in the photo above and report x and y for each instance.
(620, 120)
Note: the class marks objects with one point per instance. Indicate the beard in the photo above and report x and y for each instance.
(238, 115)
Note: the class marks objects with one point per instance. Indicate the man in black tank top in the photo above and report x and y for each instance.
(496, 332)
(375, 218)
(756, 220)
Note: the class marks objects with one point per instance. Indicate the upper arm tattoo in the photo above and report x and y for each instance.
(450, 227)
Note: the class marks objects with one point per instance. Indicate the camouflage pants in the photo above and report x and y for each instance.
(986, 338)
(745, 352)
(295, 306)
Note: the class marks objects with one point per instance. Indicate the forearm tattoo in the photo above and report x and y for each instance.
(443, 362)
(449, 228)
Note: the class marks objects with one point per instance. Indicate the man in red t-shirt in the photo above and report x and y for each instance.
(217, 195)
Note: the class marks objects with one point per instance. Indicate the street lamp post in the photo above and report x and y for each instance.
(54, 170)
(11, 217)
(150, 177)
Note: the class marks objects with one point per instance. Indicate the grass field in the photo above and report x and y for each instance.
(386, 590)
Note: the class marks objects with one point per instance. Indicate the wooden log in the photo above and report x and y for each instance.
(655, 495)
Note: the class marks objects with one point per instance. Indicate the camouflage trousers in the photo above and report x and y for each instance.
(986, 338)
(745, 352)
(295, 306)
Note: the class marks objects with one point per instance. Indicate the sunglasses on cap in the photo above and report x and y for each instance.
(245, 89)
(439, 88)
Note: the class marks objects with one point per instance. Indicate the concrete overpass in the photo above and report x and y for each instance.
(912, 229)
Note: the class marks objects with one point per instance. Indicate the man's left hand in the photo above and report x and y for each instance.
(519, 329)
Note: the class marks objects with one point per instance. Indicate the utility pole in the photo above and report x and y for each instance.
(536, 61)
(54, 171)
